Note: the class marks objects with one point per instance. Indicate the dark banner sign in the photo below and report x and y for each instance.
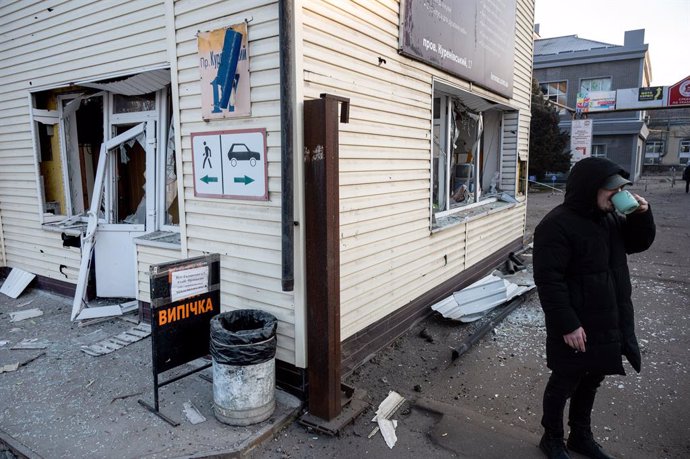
(473, 39)
(185, 295)
(650, 93)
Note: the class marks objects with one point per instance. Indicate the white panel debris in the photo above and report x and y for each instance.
(476, 300)
(388, 431)
(30, 343)
(100, 311)
(9, 367)
(114, 343)
(16, 282)
(26, 314)
(385, 410)
(192, 413)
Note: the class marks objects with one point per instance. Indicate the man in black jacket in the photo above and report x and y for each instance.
(581, 272)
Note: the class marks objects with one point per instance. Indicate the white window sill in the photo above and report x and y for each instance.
(160, 239)
(74, 226)
(465, 214)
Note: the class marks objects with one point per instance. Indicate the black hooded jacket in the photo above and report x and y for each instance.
(581, 272)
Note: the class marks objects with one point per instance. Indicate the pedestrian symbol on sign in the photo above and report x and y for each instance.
(207, 157)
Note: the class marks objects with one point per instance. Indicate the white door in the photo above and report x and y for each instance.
(100, 208)
(129, 212)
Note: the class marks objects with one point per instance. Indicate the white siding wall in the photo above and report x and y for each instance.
(509, 159)
(147, 256)
(44, 45)
(522, 92)
(247, 234)
(388, 256)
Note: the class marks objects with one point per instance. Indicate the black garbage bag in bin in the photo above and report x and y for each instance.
(243, 337)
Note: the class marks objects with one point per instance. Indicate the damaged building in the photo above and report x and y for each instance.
(142, 132)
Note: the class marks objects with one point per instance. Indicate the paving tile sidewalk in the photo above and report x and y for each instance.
(65, 403)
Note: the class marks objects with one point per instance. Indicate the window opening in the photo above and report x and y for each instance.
(595, 84)
(129, 180)
(133, 104)
(684, 151)
(556, 91)
(599, 150)
(68, 129)
(466, 155)
(654, 150)
(69, 126)
(171, 215)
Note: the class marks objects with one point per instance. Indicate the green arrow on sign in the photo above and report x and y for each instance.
(206, 179)
(246, 180)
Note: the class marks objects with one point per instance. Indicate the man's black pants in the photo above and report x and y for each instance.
(581, 389)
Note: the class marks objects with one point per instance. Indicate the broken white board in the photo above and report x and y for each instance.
(16, 282)
(387, 428)
(193, 415)
(30, 343)
(9, 367)
(26, 314)
(129, 306)
(389, 406)
(114, 343)
(386, 409)
(98, 312)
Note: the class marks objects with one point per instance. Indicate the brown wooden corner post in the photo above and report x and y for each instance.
(322, 208)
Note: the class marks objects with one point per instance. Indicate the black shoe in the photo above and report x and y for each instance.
(584, 443)
(553, 447)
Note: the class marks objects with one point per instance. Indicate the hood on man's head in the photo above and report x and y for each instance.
(585, 179)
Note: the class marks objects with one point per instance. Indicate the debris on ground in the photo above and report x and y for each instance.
(30, 344)
(476, 300)
(26, 314)
(425, 334)
(192, 413)
(15, 365)
(386, 409)
(9, 367)
(16, 282)
(114, 343)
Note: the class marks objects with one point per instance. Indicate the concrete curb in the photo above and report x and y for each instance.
(16, 447)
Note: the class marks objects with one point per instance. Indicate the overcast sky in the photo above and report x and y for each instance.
(666, 24)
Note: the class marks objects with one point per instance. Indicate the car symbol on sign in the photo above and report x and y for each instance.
(240, 152)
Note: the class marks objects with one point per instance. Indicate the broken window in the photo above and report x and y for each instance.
(466, 153)
(170, 217)
(65, 153)
(475, 159)
(70, 124)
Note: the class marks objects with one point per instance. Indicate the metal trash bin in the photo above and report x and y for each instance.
(243, 349)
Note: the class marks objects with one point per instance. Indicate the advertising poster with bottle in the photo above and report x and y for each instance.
(224, 69)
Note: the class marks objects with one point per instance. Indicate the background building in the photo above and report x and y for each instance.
(566, 66)
(668, 144)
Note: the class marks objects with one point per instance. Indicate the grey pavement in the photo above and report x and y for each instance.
(67, 404)
(485, 404)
